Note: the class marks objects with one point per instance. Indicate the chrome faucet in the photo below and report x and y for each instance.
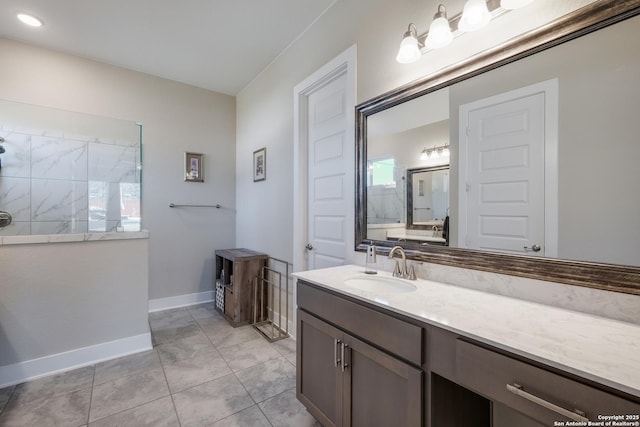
(402, 271)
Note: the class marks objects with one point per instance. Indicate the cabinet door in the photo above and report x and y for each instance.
(319, 379)
(380, 390)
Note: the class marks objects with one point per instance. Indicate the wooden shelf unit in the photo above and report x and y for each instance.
(240, 266)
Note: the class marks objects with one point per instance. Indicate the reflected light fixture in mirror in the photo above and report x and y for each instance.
(476, 15)
(30, 20)
(435, 152)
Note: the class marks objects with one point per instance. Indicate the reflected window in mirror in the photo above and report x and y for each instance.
(385, 188)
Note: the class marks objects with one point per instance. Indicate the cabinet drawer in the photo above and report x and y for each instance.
(489, 373)
(394, 335)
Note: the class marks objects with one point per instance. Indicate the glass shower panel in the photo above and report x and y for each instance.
(67, 172)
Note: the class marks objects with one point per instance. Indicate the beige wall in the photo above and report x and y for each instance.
(60, 297)
(265, 107)
(176, 118)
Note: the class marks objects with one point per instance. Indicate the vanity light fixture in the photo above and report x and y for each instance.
(439, 34)
(476, 14)
(30, 20)
(409, 47)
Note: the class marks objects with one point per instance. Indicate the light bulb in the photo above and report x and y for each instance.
(424, 155)
(440, 34)
(409, 50)
(409, 46)
(475, 16)
(445, 151)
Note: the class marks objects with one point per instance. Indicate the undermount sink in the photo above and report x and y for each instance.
(380, 284)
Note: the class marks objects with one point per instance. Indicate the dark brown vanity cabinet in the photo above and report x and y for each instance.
(344, 380)
(537, 393)
(360, 365)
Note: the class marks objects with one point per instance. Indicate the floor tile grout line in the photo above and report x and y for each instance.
(240, 382)
(164, 374)
(272, 397)
(145, 403)
(9, 399)
(171, 394)
(124, 410)
(93, 383)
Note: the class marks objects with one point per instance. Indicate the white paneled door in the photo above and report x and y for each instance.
(503, 154)
(328, 163)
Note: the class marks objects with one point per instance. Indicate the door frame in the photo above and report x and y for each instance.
(344, 63)
(550, 89)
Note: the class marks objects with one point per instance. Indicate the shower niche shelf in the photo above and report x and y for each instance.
(236, 270)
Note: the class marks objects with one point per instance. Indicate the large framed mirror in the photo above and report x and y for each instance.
(543, 141)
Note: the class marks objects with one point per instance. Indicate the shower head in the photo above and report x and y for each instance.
(1, 140)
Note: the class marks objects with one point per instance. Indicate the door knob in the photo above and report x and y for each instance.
(309, 247)
(534, 248)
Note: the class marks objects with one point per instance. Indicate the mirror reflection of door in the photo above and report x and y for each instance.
(503, 202)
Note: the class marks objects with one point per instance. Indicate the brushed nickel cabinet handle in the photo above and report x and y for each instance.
(336, 359)
(575, 415)
(342, 356)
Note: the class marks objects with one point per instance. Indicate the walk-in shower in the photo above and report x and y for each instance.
(66, 172)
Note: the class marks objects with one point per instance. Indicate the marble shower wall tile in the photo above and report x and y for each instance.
(59, 227)
(56, 158)
(112, 163)
(58, 200)
(58, 168)
(21, 228)
(15, 197)
(16, 160)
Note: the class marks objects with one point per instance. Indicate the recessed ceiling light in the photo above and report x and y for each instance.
(30, 20)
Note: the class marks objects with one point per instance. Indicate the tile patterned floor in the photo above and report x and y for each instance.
(201, 372)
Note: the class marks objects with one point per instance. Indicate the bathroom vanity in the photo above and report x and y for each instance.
(377, 350)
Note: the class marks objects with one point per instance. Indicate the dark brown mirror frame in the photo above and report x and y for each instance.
(610, 277)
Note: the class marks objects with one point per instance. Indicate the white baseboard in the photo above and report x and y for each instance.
(180, 301)
(56, 363)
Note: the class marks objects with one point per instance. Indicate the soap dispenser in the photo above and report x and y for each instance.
(371, 264)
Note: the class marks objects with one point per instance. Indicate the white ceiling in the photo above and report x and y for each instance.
(220, 45)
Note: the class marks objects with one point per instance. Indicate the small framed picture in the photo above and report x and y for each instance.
(260, 165)
(193, 167)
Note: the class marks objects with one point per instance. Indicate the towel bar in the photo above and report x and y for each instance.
(173, 205)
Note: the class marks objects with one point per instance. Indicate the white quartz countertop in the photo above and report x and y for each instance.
(600, 349)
